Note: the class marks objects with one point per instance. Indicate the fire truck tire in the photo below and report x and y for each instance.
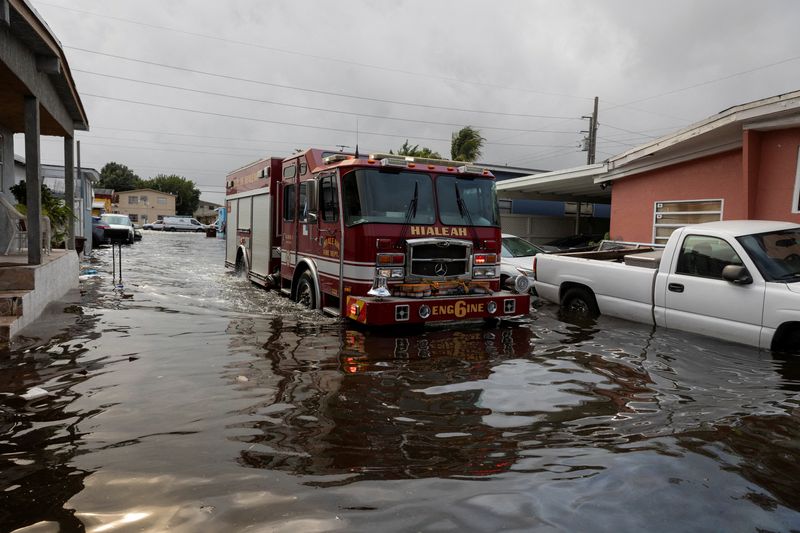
(305, 291)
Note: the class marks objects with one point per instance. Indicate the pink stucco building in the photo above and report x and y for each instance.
(743, 163)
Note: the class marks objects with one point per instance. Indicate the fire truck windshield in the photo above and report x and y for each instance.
(374, 196)
(467, 201)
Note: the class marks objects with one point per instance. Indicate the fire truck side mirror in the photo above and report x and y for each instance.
(312, 218)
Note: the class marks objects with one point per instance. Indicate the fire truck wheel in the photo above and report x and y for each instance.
(305, 291)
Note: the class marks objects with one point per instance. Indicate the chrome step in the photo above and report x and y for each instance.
(331, 311)
(286, 292)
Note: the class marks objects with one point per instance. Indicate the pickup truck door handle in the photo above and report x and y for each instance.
(675, 287)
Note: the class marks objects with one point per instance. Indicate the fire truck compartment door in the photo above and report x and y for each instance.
(231, 239)
(260, 237)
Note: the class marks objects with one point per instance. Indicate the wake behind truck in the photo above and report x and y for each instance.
(379, 239)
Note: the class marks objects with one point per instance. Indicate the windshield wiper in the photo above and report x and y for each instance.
(462, 209)
(411, 212)
(795, 276)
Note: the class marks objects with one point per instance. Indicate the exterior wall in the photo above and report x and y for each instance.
(6, 160)
(777, 171)
(146, 211)
(205, 212)
(540, 229)
(633, 198)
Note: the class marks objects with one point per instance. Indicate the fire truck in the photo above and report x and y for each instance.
(379, 239)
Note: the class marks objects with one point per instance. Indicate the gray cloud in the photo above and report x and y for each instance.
(523, 57)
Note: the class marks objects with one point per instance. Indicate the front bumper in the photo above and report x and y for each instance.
(391, 311)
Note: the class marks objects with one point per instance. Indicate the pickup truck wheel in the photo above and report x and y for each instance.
(581, 302)
(305, 291)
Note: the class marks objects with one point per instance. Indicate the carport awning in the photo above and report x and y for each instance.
(569, 185)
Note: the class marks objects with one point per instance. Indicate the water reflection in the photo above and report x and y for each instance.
(40, 434)
(358, 409)
(548, 399)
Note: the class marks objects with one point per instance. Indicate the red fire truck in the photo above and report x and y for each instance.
(379, 239)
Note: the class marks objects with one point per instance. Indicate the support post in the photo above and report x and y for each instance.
(69, 190)
(32, 179)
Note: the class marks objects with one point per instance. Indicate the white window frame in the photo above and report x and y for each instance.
(656, 213)
(796, 195)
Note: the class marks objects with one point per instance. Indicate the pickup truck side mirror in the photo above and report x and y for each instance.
(737, 274)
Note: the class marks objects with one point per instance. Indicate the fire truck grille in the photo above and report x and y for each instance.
(432, 261)
(435, 270)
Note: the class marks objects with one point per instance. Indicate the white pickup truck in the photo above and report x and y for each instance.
(735, 280)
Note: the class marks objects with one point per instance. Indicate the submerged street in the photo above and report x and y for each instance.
(195, 401)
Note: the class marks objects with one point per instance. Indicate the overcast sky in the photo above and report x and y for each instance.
(297, 74)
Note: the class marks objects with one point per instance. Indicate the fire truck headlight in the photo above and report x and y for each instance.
(424, 311)
(483, 272)
(391, 273)
(491, 307)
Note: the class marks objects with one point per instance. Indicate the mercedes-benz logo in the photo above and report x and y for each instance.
(440, 269)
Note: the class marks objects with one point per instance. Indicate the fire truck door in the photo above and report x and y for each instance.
(289, 229)
(307, 220)
(329, 238)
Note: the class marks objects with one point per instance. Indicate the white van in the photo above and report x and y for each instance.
(183, 224)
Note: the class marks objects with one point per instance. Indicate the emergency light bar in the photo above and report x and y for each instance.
(335, 158)
(393, 160)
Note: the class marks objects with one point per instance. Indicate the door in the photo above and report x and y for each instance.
(289, 227)
(697, 299)
(329, 233)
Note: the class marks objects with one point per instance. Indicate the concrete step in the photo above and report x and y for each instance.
(7, 327)
(18, 278)
(11, 302)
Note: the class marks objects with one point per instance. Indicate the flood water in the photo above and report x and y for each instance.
(194, 401)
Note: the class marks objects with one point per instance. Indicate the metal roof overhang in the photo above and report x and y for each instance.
(31, 30)
(568, 185)
(717, 134)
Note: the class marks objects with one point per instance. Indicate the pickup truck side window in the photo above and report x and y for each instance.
(705, 257)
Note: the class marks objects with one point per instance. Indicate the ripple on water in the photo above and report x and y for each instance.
(203, 403)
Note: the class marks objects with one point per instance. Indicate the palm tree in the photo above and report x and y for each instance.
(466, 144)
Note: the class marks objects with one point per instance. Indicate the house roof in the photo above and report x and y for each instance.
(27, 25)
(144, 190)
(716, 134)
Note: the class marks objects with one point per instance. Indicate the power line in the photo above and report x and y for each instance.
(313, 56)
(707, 82)
(295, 124)
(315, 91)
(310, 108)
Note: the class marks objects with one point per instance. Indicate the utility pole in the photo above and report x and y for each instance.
(590, 147)
(590, 142)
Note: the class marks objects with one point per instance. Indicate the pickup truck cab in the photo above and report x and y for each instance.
(735, 280)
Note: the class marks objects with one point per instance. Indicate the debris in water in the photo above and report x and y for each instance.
(34, 393)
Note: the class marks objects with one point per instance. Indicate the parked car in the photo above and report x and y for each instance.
(158, 225)
(516, 257)
(574, 241)
(737, 280)
(183, 224)
(98, 231)
(113, 228)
